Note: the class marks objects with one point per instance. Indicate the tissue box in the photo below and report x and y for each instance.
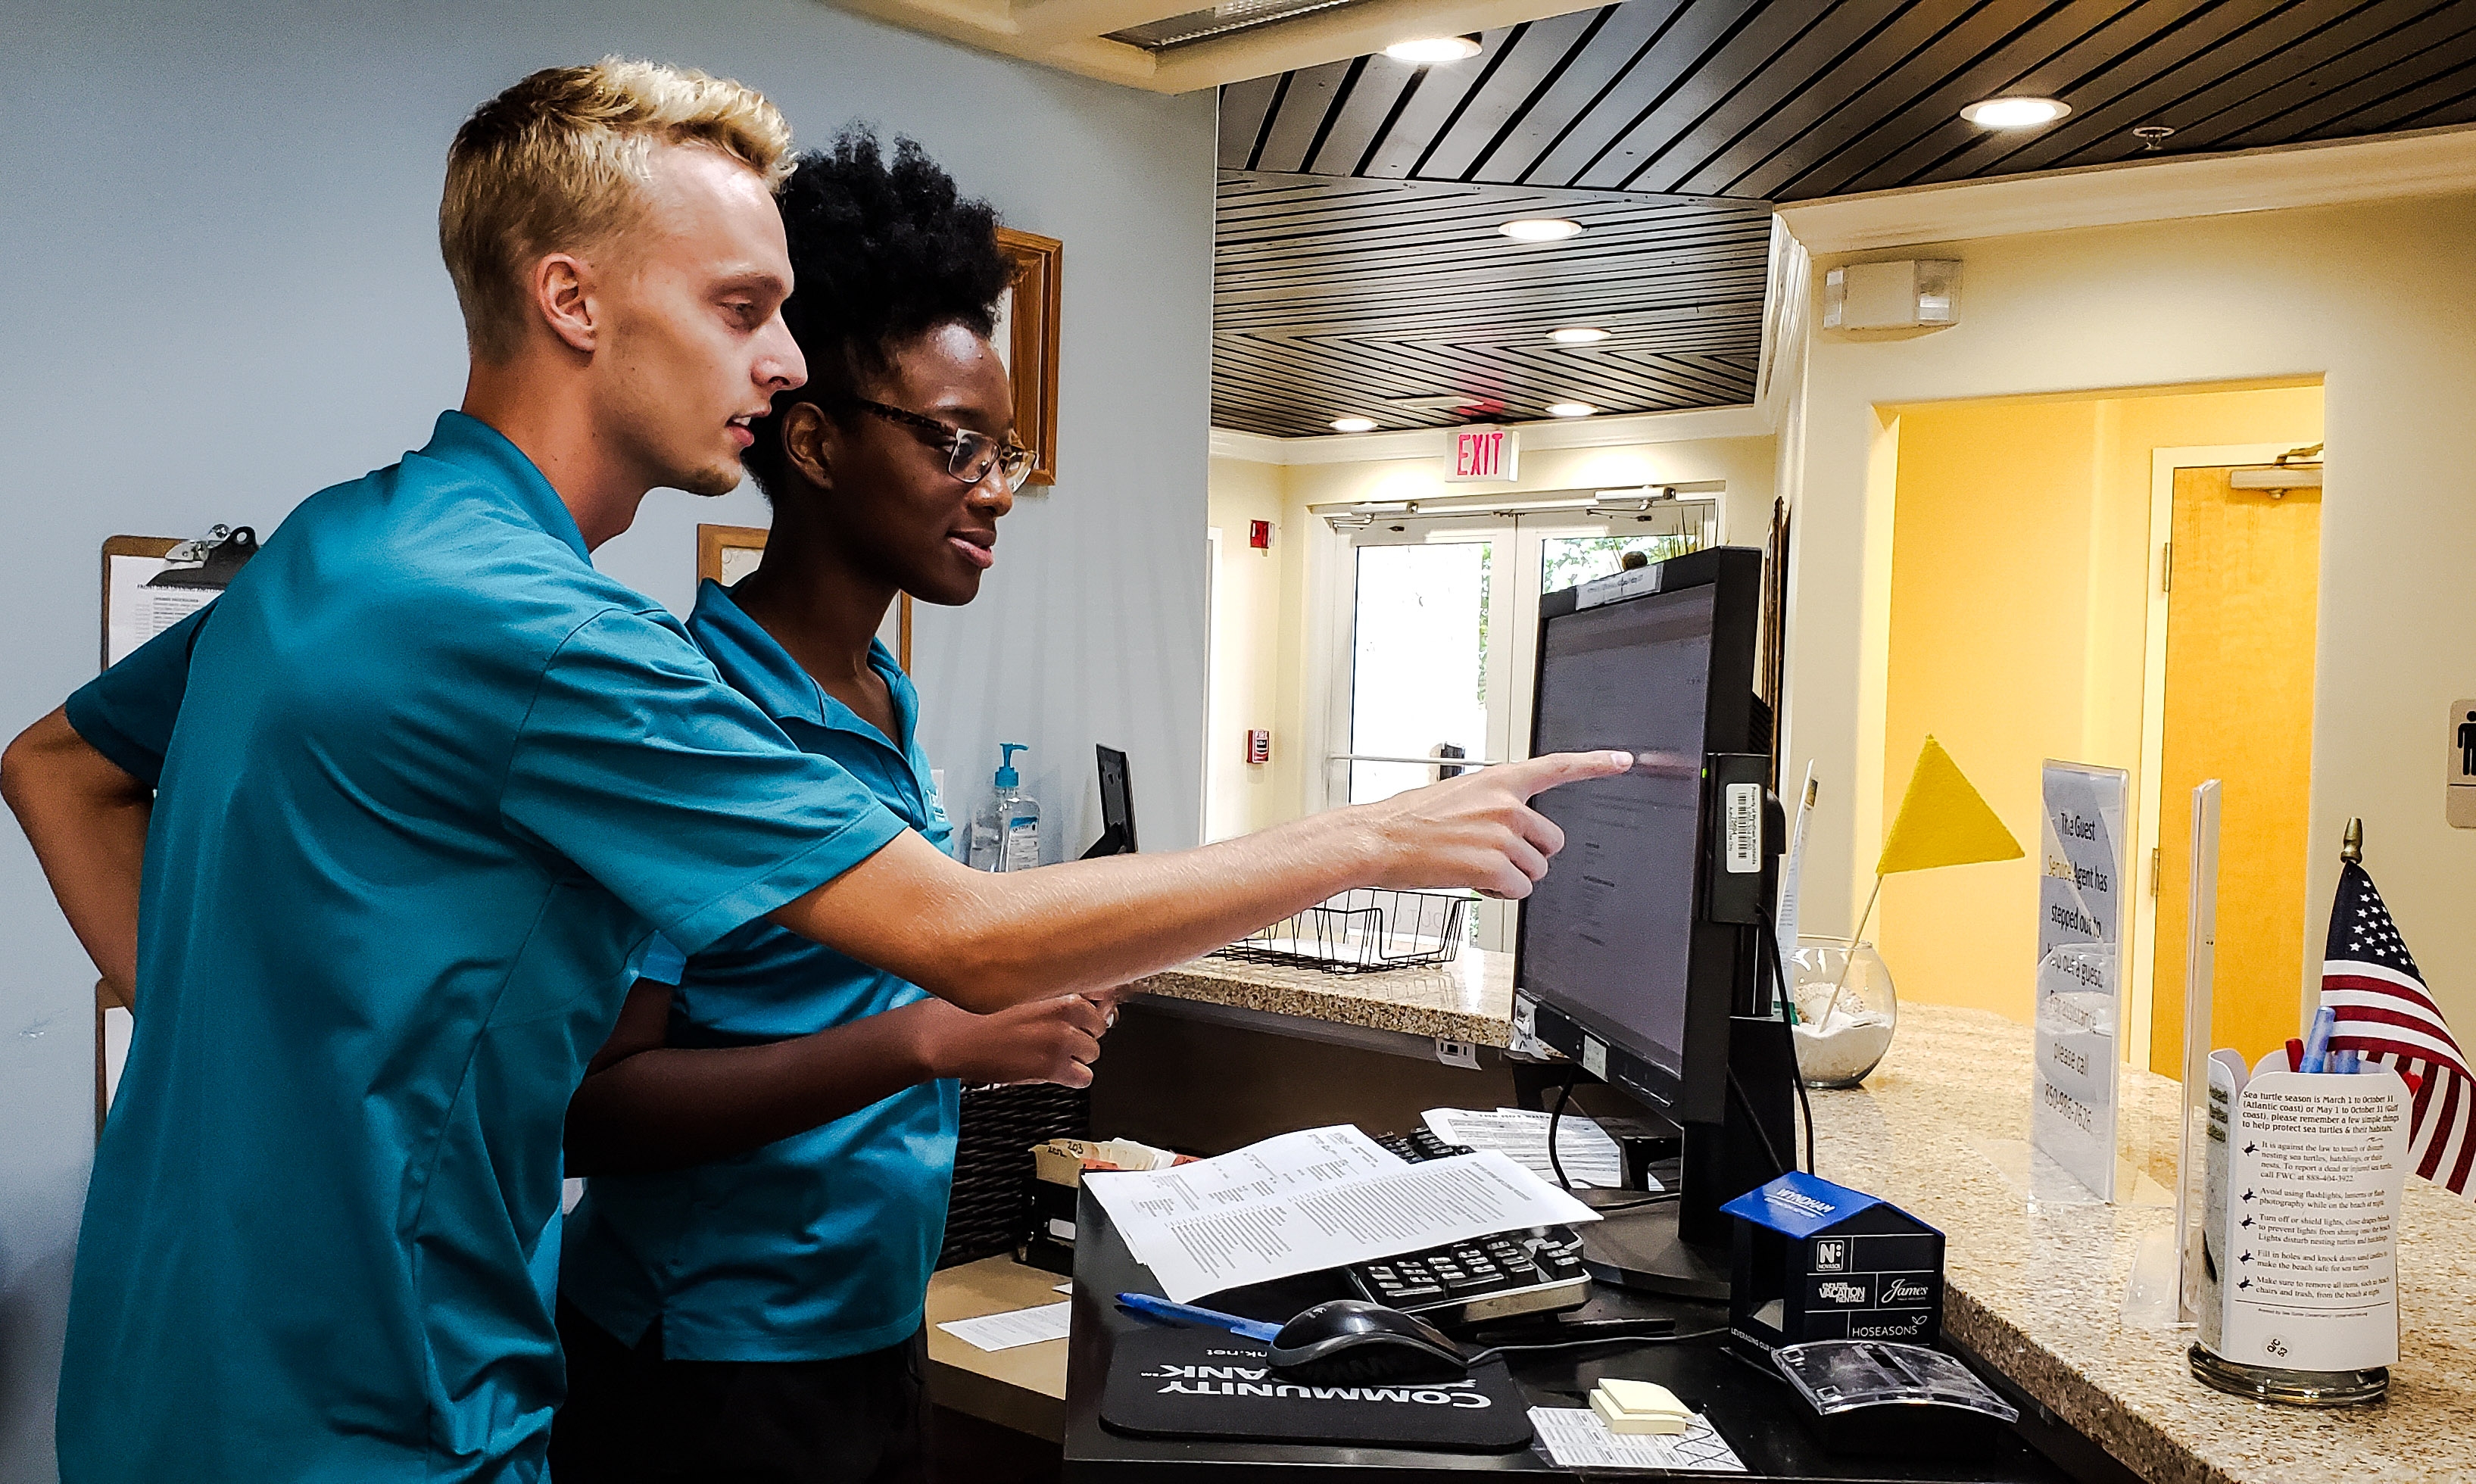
(1818, 1261)
(1058, 1169)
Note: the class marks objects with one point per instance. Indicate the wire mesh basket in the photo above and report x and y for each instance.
(993, 1166)
(1364, 931)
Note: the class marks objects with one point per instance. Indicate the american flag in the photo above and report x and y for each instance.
(2369, 979)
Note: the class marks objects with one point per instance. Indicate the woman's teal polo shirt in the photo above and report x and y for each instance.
(819, 1244)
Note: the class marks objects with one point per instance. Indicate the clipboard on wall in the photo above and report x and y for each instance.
(149, 585)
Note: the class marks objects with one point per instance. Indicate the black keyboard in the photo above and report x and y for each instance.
(1500, 1275)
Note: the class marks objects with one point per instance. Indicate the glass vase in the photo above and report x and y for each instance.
(1845, 1010)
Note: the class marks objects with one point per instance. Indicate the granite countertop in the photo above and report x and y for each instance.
(1467, 999)
(2037, 1287)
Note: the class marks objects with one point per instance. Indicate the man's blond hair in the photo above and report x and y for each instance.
(558, 164)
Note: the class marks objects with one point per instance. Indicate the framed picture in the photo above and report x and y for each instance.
(727, 553)
(1026, 336)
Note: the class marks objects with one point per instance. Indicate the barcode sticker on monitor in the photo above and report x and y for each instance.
(1745, 823)
(1595, 1058)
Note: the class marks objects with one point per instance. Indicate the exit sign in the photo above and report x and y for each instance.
(1484, 453)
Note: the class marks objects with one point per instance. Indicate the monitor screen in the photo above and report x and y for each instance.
(1607, 935)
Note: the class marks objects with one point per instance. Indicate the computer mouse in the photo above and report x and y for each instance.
(1353, 1340)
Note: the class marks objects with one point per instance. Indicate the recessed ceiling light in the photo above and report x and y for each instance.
(1578, 334)
(1569, 409)
(1428, 51)
(1540, 229)
(1354, 425)
(2014, 113)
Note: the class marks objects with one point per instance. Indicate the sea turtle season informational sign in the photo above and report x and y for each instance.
(2082, 898)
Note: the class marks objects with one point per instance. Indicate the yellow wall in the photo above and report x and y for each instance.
(2018, 603)
(2377, 301)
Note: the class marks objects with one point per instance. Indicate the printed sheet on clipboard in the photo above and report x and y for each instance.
(135, 611)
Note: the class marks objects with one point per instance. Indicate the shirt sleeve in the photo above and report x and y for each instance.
(639, 765)
(126, 713)
(664, 962)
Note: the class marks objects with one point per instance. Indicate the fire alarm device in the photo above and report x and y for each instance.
(1259, 534)
(1259, 745)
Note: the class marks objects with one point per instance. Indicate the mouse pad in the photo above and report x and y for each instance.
(1177, 1382)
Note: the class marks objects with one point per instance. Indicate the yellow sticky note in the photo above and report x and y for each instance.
(1643, 1397)
(1619, 1420)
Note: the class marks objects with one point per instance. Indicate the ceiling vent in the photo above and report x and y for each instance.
(1219, 20)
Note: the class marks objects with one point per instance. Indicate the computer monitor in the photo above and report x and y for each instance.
(1635, 953)
(1117, 807)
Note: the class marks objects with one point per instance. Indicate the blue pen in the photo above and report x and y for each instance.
(2316, 1044)
(2349, 1062)
(1162, 1308)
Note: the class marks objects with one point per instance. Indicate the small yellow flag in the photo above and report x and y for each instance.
(1943, 821)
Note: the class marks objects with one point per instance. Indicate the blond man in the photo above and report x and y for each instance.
(413, 795)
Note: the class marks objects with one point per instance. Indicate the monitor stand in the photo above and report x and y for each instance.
(1680, 1248)
(1639, 1251)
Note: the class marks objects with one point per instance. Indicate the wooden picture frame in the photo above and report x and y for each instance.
(1028, 332)
(726, 553)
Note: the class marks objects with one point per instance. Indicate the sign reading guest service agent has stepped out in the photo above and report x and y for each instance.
(2081, 901)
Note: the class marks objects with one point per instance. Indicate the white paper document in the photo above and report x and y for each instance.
(1575, 1438)
(1313, 1200)
(1590, 1156)
(1019, 1327)
(140, 612)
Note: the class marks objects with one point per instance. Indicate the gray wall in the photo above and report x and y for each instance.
(219, 291)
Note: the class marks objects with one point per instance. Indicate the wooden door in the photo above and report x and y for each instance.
(2243, 584)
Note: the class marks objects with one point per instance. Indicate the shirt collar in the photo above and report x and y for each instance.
(758, 667)
(478, 448)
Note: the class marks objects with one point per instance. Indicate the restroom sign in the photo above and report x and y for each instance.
(1483, 452)
(2459, 745)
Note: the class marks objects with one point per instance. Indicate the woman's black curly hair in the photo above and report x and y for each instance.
(882, 251)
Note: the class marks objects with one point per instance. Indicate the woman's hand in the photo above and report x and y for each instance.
(1051, 1040)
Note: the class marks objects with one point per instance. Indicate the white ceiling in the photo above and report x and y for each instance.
(1073, 35)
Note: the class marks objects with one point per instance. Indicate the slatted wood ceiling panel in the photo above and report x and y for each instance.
(1788, 100)
(1331, 297)
(1665, 126)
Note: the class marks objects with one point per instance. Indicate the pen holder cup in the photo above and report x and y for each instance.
(1845, 1010)
(2298, 1298)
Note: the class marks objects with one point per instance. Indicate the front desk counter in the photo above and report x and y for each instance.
(1746, 1406)
(1218, 1053)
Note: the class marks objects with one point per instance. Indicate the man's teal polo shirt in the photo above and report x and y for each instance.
(819, 1244)
(429, 783)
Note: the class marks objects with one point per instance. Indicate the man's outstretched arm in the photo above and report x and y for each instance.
(987, 941)
(86, 819)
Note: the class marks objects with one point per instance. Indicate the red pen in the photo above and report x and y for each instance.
(2294, 1053)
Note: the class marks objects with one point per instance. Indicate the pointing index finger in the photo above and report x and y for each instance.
(1540, 774)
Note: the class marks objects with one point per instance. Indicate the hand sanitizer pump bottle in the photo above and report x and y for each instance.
(1005, 834)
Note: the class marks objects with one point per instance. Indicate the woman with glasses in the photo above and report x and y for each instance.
(769, 1134)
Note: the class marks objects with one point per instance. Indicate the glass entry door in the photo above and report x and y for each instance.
(1443, 639)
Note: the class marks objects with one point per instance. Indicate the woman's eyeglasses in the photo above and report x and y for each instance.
(969, 455)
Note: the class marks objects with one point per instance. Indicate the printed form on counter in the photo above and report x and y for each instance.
(1300, 1202)
(1577, 1438)
(1589, 1155)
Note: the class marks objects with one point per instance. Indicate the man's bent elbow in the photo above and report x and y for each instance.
(21, 763)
